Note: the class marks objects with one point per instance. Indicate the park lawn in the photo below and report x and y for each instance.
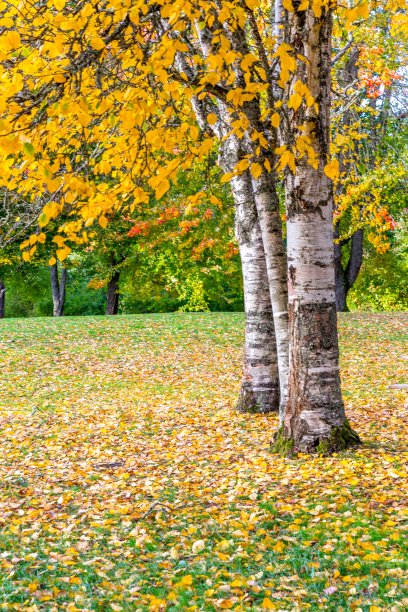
(128, 481)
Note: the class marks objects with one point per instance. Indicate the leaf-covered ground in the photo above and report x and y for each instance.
(128, 481)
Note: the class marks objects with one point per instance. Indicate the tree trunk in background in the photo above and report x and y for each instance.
(2, 299)
(314, 417)
(112, 302)
(260, 385)
(58, 287)
(346, 277)
(267, 204)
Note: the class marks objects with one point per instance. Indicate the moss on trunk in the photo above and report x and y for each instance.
(339, 438)
(281, 445)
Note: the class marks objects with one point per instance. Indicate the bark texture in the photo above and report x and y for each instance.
(2, 299)
(255, 207)
(267, 206)
(315, 410)
(112, 301)
(58, 287)
(260, 384)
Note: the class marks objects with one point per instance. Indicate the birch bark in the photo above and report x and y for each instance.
(260, 389)
(314, 417)
(267, 206)
(260, 384)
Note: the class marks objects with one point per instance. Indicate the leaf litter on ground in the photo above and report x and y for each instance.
(129, 482)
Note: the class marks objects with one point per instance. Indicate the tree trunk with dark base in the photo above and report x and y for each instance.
(2, 299)
(58, 287)
(112, 302)
(260, 383)
(267, 204)
(260, 390)
(314, 418)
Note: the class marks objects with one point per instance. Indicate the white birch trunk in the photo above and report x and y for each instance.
(260, 384)
(260, 387)
(314, 418)
(267, 205)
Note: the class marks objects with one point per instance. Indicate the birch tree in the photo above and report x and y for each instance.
(125, 82)
(314, 418)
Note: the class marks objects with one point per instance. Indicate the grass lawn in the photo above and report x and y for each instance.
(128, 481)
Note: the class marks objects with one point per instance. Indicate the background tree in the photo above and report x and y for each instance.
(369, 133)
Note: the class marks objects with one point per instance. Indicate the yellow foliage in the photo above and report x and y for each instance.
(332, 169)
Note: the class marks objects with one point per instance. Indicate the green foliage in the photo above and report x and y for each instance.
(80, 299)
(382, 283)
(28, 292)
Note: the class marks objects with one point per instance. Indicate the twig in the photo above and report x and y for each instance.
(156, 503)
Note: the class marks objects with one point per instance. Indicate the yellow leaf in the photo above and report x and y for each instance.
(174, 553)
(287, 159)
(275, 120)
(198, 546)
(332, 169)
(162, 189)
(362, 11)
(59, 241)
(236, 583)
(13, 39)
(227, 177)
(33, 586)
(187, 580)
(97, 43)
(373, 556)
(52, 261)
(256, 170)
(103, 222)
(43, 220)
(41, 238)
(63, 253)
(212, 118)
(242, 165)
(295, 101)
(267, 604)
(225, 604)
(26, 256)
(59, 4)
(287, 4)
(279, 546)
(341, 140)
